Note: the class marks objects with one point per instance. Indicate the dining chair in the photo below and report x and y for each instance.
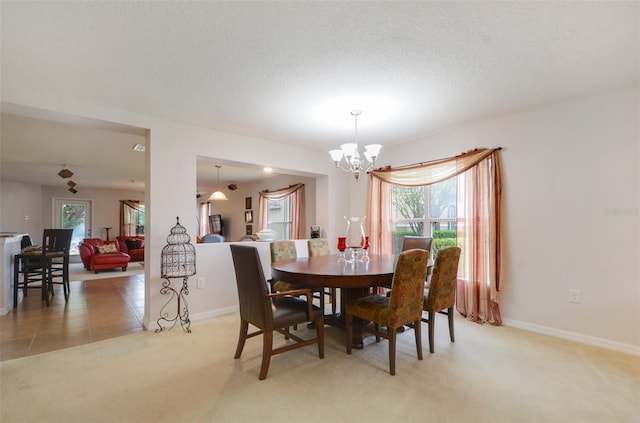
(402, 307)
(271, 312)
(58, 246)
(441, 294)
(43, 265)
(320, 247)
(282, 250)
(410, 242)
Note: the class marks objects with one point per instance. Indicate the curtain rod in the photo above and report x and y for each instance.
(431, 161)
(280, 189)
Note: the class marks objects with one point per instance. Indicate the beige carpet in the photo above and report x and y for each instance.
(77, 272)
(490, 374)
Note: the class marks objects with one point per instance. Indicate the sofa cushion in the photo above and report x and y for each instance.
(107, 248)
(131, 244)
(139, 243)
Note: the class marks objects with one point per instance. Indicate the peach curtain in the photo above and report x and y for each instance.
(297, 212)
(479, 188)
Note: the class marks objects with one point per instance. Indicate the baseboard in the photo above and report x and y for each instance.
(196, 317)
(576, 337)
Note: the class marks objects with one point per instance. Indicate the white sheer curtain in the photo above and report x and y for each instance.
(478, 223)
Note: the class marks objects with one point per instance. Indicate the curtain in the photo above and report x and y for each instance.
(478, 233)
(203, 220)
(297, 210)
(478, 220)
(132, 218)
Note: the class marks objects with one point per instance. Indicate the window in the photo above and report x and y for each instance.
(279, 217)
(132, 218)
(425, 211)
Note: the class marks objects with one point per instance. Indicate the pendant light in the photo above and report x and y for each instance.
(218, 195)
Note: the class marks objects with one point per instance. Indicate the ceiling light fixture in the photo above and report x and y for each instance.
(71, 184)
(218, 195)
(65, 173)
(348, 157)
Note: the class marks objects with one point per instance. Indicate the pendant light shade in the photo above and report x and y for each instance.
(218, 195)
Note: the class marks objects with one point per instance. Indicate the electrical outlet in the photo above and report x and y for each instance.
(574, 295)
(200, 283)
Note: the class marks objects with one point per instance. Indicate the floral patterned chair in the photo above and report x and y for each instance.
(441, 294)
(402, 307)
(282, 250)
(320, 247)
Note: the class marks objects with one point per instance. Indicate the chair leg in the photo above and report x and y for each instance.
(376, 328)
(242, 337)
(450, 316)
(432, 322)
(320, 335)
(267, 348)
(392, 350)
(417, 328)
(348, 325)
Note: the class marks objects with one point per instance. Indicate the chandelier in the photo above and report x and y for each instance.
(348, 158)
(218, 195)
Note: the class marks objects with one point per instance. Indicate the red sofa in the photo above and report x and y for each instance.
(132, 245)
(94, 259)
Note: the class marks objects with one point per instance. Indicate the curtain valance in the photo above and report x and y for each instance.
(422, 174)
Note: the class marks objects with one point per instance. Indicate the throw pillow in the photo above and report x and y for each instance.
(131, 244)
(107, 248)
(140, 243)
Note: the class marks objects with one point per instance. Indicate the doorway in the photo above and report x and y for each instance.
(76, 215)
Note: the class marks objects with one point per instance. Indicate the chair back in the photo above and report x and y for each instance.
(25, 242)
(407, 287)
(58, 240)
(255, 306)
(442, 291)
(318, 247)
(422, 242)
(283, 250)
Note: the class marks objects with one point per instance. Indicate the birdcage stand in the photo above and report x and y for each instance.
(182, 313)
(178, 262)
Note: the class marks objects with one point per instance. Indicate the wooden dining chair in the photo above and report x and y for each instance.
(440, 297)
(58, 245)
(402, 307)
(320, 247)
(271, 312)
(44, 265)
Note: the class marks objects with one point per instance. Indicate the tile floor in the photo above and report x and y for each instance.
(97, 309)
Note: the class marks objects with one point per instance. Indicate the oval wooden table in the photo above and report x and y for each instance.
(355, 280)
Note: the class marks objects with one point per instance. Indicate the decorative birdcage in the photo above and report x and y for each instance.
(179, 255)
(178, 261)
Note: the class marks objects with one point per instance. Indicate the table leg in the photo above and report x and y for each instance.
(338, 320)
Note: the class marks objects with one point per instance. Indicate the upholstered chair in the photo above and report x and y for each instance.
(320, 247)
(271, 312)
(441, 294)
(282, 250)
(410, 242)
(402, 307)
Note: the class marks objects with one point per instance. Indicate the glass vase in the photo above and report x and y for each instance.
(355, 235)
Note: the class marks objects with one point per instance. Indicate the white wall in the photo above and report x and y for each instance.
(567, 168)
(21, 209)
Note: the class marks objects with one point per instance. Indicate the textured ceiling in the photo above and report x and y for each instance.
(292, 71)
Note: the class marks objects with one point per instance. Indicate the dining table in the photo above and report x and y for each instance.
(355, 279)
